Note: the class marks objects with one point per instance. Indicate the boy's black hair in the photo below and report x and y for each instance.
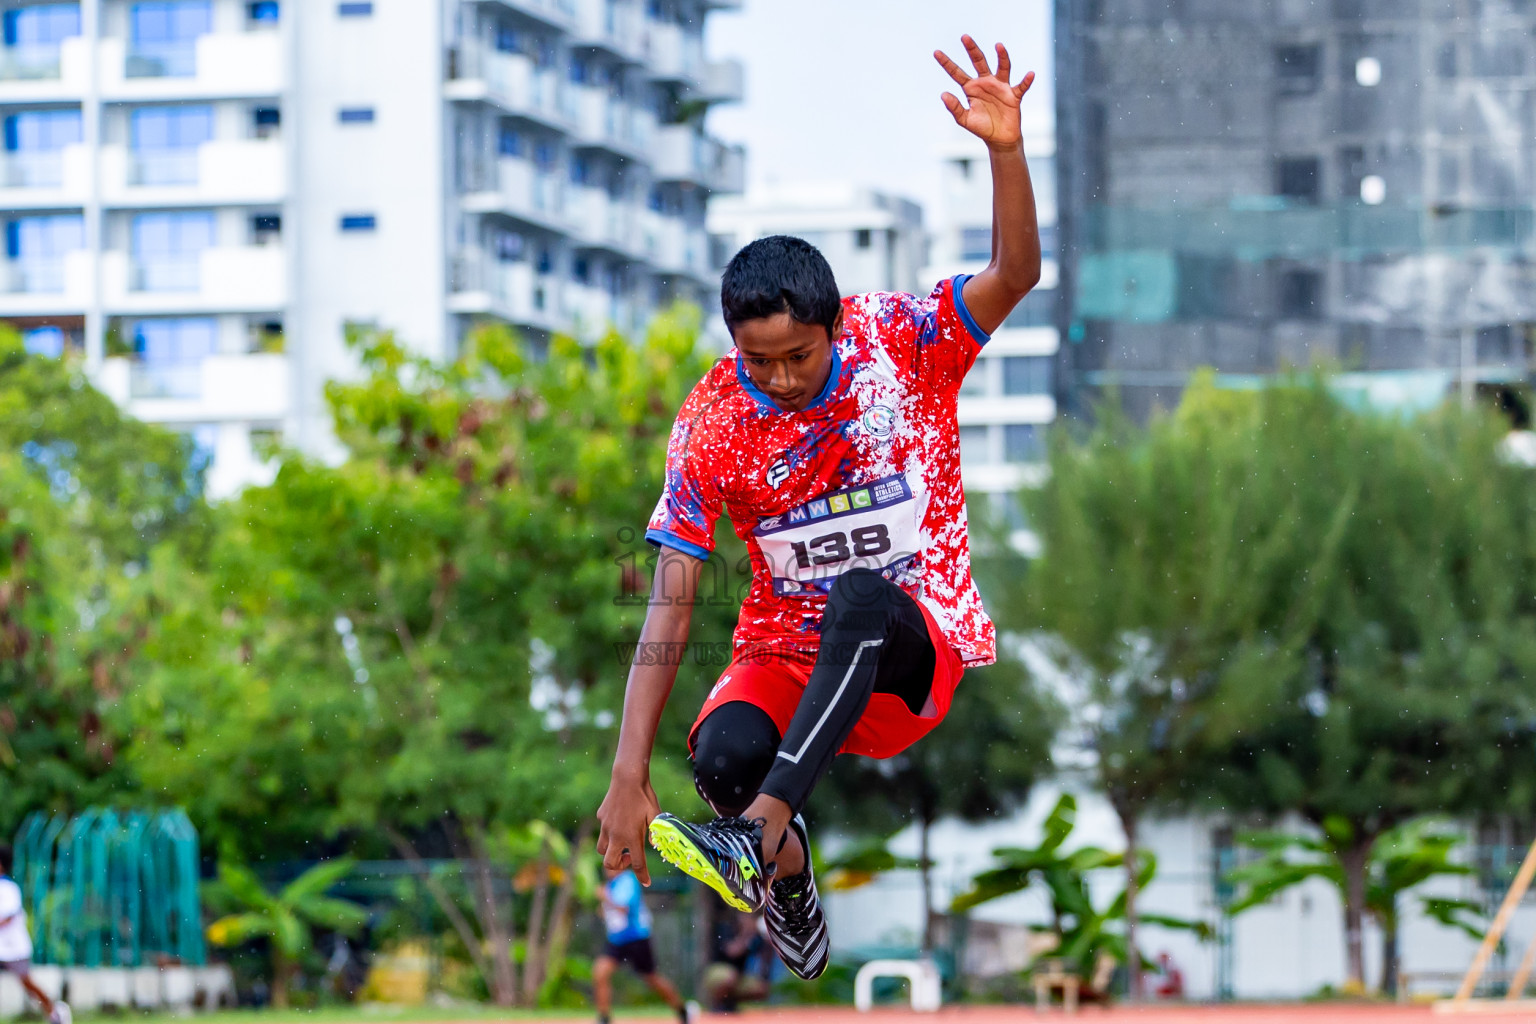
(779, 274)
(5, 859)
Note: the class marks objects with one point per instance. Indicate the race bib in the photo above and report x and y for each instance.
(872, 526)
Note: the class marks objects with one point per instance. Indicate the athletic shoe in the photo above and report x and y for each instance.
(726, 855)
(691, 1012)
(797, 925)
(61, 1013)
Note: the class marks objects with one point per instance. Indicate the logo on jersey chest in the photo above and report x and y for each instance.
(777, 474)
(879, 421)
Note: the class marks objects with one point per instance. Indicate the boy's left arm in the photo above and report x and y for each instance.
(993, 116)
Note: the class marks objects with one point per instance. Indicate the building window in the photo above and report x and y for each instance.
(164, 36)
(509, 141)
(356, 115)
(169, 354)
(165, 141)
(1301, 295)
(1297, 69)
(509, 247)
(863, 238)
(1023, 442)
(32, 37)
(1299, 178)
(47, 342)
(354, 10)
(1037, 309)
(36, 247)
(265, 336)
(359, 222)
(168, 249)
(1027, 375)
(34, 145)
(1047, 241)
(266, 121)
(507, 39)
(976, 445)
(264, 11)
(976, 243)
(266, 228)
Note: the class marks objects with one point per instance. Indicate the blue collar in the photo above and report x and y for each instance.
(768, 404)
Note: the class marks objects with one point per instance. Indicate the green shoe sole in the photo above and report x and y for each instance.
(676, 850)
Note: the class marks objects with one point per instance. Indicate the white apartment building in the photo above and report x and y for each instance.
(1008, 400)
(202, 195)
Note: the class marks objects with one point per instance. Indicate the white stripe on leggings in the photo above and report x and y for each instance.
(795, 758)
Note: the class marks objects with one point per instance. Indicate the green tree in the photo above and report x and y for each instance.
(1400, 860)
(89, 498)
(285, 919)
(1279, 603)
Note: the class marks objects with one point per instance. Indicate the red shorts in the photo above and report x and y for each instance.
(775, 681)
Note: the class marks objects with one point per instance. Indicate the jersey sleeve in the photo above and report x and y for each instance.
(948, 339)
(10, 898)
(691, 502)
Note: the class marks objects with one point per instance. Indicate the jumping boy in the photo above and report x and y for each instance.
(16, 944)
(829, 437)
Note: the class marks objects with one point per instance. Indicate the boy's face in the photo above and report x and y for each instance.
(787, 360)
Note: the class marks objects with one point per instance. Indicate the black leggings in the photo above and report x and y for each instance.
(874, 639)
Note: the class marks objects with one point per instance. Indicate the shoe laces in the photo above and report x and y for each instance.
(741, 826)
(795, 898)
(752, 830)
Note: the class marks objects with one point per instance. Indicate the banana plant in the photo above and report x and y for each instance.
(1084, 932)
(1399, 860)
(286, 918)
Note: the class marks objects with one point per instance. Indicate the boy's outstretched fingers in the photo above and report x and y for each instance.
(1023, 87)
(978, 56)
(1004, 65)
(951, 68)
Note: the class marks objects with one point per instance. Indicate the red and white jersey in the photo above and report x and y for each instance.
(868, 475)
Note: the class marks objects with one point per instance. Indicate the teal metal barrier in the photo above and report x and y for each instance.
(111, 889)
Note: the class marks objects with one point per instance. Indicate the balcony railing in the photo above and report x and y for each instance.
(165, 380)
(516, 290)
(163, 167)
(558, 12)
(43, 169)
(723, 81)
(511, 80)
(35, 276)
(671, 52)
(617, 27)
(516, 186)
(173, 61)
(29, 63)
(685, 154)
(179, 273)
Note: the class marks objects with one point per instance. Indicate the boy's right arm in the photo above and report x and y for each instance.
(630, 805)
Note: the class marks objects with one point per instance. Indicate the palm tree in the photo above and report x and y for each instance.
(285, 919)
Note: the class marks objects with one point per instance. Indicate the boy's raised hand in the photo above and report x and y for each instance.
(993, 114)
